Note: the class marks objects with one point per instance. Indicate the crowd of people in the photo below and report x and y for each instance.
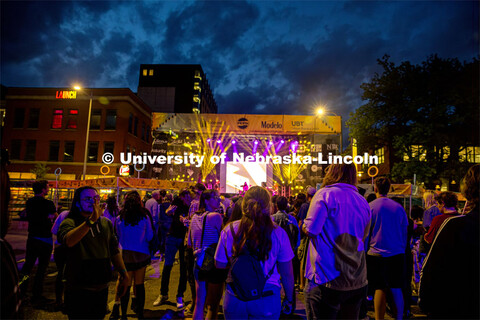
(338, 248)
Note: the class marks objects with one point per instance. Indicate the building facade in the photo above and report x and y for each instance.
(172, 88)
(49, 125)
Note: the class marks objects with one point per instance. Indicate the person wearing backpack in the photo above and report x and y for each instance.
(259, 257)
(205, 228)
(338, 223)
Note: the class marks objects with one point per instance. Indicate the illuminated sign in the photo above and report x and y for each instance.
(124, 170)
(66, 95)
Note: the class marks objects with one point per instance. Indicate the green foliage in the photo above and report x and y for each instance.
(40, 170)
(434, 105)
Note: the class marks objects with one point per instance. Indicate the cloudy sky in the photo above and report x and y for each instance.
(269, 57)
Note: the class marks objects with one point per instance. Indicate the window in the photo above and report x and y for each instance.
(130, 123)
(111, 120)
(150, 72)
(148, 134)
(33, 117)
(72, 119)
(53, 151)
(15, 149)
(470, 154)
(143, 131)
(381, 155)
(134, 151)
(128, 148)
(57, 119)
(135, 127)
(30, 150)
(68, 151)
(95, 119)
(92, 151)
(415, 151)
(19, 118)
(108, 146)
(144, 72)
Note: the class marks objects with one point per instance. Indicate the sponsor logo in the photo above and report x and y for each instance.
(242, 123)
(297, 123)
(272, 125)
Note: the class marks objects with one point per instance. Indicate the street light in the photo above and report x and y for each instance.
(78, 88)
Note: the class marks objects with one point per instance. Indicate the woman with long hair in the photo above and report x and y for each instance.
(337, 223)
(256, 233)
(111, 211)
(431, 208)
(208, 284)
(134, 230)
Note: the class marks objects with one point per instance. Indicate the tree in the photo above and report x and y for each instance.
(40, 170)
(427, 112)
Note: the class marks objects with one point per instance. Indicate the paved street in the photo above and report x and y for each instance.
(17, 238)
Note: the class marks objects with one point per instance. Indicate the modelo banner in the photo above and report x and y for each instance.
(247, 123)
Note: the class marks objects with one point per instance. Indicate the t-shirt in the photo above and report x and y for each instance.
(178, 229)
(291, 219)
(213, 227)
(389, 228)
(153, 207)
(38, 211)
(58, 221)
(339, 217)
(429, 214)
(281, 250)
(302, 213)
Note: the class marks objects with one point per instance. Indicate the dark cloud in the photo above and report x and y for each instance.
(259, 57)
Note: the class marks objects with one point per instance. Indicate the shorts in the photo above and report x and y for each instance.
(386, 272)
(213, 276)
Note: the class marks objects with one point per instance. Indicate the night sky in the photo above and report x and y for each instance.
(259, 56)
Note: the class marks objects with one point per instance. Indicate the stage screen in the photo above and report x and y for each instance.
(253, 173)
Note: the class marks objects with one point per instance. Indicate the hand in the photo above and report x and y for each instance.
(287, 307)
(123, 284)
(171, 210)
(97, 211)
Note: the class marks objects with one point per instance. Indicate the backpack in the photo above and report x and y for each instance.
(291, 229)
(246, 277)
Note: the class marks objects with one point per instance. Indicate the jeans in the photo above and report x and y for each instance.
(263, 308)
(41, 250)
(86, 304)
(325, 303)
(173, 245)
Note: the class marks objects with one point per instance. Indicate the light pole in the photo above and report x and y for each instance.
(87, 134)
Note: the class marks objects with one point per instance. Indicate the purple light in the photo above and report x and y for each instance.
(219, 141)
(256, 142)
(233, 141)
(208, 140)
(282, 141)
(270, 143)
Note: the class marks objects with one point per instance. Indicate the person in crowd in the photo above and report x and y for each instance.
(153, 206)
(450, 281)
(280, 217)
(418, 231)
(337, 223)
(197, 192)
(386, 250)
(447, 203)
(10, 298)
(257, 233)
(91, 249)
(371, 197)
(237, 211)
(302, 249)
(431, 208)
(60, 257)
(165, 221)
(40, 214)
(134, 231)
(111, 211)
(209, 284)
(175, 243)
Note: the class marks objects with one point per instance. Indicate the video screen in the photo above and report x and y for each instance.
(237, 174)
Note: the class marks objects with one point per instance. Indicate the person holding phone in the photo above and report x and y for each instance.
(92, 247)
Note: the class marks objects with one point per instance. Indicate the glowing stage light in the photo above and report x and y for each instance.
(219, 141)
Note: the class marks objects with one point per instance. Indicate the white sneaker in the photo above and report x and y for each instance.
(179, 302)
(160, 300)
